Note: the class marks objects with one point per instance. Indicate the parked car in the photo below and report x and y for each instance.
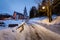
(12, 25)
(2, 24)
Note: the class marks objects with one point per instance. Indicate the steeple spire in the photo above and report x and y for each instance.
(25, 11)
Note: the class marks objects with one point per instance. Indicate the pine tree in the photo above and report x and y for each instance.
(33, 12)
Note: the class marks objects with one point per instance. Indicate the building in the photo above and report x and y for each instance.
(18, 15)
(5, 16)
(25, 11)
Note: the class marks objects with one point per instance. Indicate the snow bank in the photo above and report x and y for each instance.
(38, 18)
(56, 20)
(45, 20)
(7, 34)
(30, 32)
(7, 22)
(13, 22)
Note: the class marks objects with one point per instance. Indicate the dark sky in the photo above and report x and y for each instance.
(9, 6)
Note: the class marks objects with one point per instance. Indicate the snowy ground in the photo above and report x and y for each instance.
(7, 22)
(30, 32)
(53, 26)
(45, 20)
(34, 29)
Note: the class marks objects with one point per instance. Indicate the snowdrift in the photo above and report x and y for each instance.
(45, 20)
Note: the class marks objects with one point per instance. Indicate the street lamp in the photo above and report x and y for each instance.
(43, 7)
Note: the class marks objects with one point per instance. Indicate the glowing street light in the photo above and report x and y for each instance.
(43, 7)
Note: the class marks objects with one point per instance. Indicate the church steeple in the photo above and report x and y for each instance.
(25, 11)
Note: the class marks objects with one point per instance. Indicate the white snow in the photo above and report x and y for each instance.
(45, 20)
(56, 20)
(37, 18)
(53, 26)
(7, 22)
(31, 31)
(37, 32)
(13, 22)
(7, 34)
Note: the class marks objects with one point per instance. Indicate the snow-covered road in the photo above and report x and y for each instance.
(44, 33)
(52, 27)
(31, 31)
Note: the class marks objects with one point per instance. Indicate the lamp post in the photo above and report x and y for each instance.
(49, 10)
(43, 7)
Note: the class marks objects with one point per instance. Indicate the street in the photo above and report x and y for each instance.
(34, 31)
(29, 31)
